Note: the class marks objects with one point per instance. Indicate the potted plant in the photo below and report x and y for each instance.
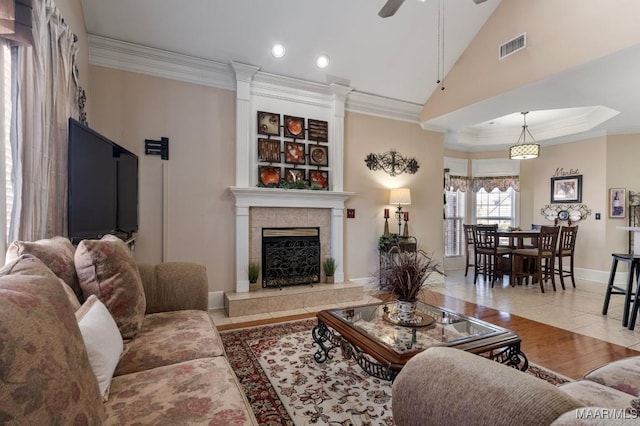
(329, 265)
(405, 276)
(253, 272)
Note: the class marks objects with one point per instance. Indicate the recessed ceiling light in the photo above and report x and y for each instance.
(278, 50)
(323, 61)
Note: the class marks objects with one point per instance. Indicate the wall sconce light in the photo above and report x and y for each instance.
(392, 162)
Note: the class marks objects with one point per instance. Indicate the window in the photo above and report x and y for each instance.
(454, 214)
(496, 207)
(5, 153)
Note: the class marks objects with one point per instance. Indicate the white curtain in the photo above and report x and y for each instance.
(48, 95)
(5, 132)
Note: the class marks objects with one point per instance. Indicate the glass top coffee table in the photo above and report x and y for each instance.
(382, 347)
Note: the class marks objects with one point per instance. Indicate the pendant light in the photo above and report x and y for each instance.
(524, 150)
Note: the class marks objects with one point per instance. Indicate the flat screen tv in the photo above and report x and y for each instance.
(102, 185)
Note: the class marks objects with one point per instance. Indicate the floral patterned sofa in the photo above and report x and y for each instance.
(140, 349)
(446, 386)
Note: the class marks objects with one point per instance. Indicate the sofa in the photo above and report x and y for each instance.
(87, 336)
(446, 386)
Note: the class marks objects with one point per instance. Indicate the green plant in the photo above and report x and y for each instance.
(329, 265)
(253, 271)
(406, 273)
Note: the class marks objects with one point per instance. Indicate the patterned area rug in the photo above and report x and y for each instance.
(285, 385)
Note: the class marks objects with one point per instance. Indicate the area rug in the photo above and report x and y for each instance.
(286, 386)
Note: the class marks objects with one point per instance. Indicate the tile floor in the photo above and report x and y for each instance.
(578, 310)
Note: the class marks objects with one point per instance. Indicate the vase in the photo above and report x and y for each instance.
(329, 280)
(253, 286)
(407, 310)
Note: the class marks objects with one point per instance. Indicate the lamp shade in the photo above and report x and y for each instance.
(400, 197)
(524, 151)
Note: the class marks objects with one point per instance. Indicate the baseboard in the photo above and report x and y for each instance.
(601, 276)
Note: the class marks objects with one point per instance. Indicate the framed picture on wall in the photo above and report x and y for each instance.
(268, 123)
(294, 175)
(294, 153)
(617, 203)
(566, 189)
(294, 127)
(319, 179)
(319, 155)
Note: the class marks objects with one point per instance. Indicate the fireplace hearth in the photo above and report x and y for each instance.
(290, 256)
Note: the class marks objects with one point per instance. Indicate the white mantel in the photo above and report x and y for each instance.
(286, 198)
(264, 92)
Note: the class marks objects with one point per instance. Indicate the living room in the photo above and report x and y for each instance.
(188, 211)
(199, 119)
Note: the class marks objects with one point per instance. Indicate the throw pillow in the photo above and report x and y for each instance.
(102, 340)
(45, 375)
(71, 295)
(57, 253)
(107, 269)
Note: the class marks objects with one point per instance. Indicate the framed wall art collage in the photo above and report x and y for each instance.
(293, 152)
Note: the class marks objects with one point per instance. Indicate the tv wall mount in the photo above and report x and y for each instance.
(160, 147)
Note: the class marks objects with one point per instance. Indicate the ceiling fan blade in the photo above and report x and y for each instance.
(390, 8)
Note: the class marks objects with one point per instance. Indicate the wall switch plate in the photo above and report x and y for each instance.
(351, 213)
(597, 216)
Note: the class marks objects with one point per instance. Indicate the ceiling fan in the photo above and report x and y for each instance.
(391, 7)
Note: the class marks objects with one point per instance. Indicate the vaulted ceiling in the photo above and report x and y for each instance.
(401, 57)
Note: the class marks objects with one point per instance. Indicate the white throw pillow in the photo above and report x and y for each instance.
(102, 340)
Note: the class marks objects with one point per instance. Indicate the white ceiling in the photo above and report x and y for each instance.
(396, 57)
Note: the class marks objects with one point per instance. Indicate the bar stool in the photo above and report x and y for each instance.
(634, 270)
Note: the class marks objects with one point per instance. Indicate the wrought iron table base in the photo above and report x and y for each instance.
(328, 340)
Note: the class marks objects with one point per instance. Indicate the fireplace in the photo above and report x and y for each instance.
(290, 256)
(281, 207)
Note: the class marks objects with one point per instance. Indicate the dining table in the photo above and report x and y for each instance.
(517, 237)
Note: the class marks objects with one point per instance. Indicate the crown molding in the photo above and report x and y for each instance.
(116, 54)
(369, 104)
(125, 56)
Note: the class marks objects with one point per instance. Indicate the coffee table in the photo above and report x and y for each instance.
(382, 347)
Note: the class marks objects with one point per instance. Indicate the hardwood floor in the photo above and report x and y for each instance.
(565, 352)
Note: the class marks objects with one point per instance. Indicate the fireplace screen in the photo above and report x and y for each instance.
(290, 256)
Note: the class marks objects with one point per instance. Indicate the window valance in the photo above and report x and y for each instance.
(457, 183)
(501, 182)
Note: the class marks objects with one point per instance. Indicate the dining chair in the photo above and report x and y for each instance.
(566, 248)
(468, 239)
(538, 262)
(534, 241)
(491, 260)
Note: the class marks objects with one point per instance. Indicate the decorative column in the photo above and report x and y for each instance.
(244, 163)
(339, 97)
(337, 242)
(244, 140)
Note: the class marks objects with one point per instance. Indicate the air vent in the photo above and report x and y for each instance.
(512, 46)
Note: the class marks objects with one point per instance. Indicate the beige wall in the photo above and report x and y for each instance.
(200, 124)
(560, 35)
(589, 157)
(366, 134)
(622, 172)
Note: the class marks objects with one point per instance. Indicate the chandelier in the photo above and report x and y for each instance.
(524, 150)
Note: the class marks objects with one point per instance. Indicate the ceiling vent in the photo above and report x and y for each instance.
(512, 46)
